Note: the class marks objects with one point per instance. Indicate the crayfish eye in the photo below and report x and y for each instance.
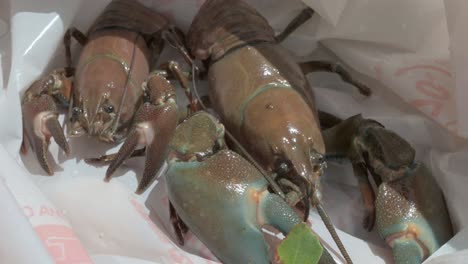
(76, 110)
(109, 108)
(50, 81)
(282, 166)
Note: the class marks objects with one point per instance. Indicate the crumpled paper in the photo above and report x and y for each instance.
(399, 48)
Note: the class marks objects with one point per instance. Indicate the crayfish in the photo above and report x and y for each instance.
(221, 197)
(263, 98)
(265, 101)
(409, 209)
(113, 95)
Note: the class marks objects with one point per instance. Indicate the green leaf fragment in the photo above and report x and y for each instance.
(301, 246)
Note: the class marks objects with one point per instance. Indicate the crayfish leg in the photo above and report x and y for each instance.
(298, 21)
(179, 226)
(110, 157)
(335, 67)
(367, 193)
(81, 38)
(182, 77)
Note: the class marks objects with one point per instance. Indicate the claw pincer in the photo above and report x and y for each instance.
(40, 116)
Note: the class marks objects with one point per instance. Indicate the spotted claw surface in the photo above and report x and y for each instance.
(412, 216)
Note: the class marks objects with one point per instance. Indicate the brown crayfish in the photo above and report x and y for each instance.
(117, 93)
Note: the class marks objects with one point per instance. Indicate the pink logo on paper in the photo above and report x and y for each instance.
(433, 96)
(62, 244)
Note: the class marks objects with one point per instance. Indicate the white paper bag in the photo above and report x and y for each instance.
(399, 48)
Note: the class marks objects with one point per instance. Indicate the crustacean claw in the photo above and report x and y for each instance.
(408, 211)
(40, 115)
(385, 154)
(412, 215)
(40, 124)
(153, 126)
(370, 147)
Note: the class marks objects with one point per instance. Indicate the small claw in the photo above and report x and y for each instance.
(40, 124)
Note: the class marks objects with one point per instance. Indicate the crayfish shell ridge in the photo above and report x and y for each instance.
(216, 29)
(130, 15)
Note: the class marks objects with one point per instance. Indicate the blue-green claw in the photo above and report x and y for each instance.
(412, 216)
(221, 197)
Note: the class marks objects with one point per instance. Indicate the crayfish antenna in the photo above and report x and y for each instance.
(331, 229)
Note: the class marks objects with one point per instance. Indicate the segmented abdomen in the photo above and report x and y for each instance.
(222, 25)
(130, 15)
